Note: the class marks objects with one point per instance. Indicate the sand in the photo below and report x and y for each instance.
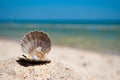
(22, 70)
(95, 65)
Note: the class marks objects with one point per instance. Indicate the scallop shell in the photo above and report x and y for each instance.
(36, 45)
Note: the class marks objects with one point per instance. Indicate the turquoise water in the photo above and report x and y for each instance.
(98, 37)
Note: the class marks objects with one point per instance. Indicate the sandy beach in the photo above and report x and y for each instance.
(97, 65)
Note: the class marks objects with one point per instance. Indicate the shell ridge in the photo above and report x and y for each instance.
(35, 39)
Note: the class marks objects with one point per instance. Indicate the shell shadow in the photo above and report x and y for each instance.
(27, 63)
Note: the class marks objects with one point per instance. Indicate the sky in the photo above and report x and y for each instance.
(60, 9)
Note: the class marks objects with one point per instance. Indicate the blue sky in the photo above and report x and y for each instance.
(60, 9)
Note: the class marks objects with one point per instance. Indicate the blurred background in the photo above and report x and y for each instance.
(83, 24)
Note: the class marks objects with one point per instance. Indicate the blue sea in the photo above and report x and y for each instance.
(95, 37)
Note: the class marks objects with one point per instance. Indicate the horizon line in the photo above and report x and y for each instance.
(73, 21)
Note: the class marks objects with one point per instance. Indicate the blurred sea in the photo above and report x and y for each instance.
(97, 37)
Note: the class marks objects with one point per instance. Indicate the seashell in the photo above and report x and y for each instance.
(35, 46)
